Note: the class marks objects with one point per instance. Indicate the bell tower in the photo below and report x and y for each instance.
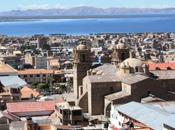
(120, 52)
(82, 63)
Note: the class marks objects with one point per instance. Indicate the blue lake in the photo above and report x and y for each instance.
(88, 26)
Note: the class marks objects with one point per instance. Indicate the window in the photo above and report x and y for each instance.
(157, 68)
(169, 68)
(123, 56)
(14, 91)
(37, 75)
(120, 124)
(31, 76)
(83, 58)
(81, 90)
(65, 112)
(76, 113)
(61, 111)
(111, 89)
(137, 69)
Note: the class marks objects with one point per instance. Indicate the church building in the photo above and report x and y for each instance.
(123, 80)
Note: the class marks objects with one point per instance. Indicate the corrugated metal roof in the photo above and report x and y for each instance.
(170, 121)
(165, 106)
(153, 118)
(12, 81)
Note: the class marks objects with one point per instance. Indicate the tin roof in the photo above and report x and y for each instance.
(12, 81)
(170, 121)
(149, 116)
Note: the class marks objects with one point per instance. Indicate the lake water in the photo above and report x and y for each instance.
(88, 26)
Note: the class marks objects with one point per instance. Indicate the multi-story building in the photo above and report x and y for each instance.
(40, 62)
(29, 58)
(37, 61)
(12, 60)
(33, 76)
(42, 41)
(69, 114)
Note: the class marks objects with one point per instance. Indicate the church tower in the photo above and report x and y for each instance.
(120, 52)
(82, 63)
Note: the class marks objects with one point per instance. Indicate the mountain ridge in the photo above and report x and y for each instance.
(87, 10)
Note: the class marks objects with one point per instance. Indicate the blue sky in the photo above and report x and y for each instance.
(33, 4)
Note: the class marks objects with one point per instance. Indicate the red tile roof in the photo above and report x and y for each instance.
(35, 71)
(27, 92)
(161, 66)
(23, 109)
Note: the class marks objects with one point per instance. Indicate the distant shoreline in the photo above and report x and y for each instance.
(36, 18)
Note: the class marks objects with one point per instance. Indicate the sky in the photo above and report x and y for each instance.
(7, 5)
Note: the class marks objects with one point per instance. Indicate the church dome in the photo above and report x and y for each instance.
(81, 47)
(132, 62)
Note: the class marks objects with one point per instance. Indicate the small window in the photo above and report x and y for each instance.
(123, 57)
(137, 69)
(37, 75)
(120, 124)
(157, 68)
(76, 113)
(111, 89)
(83, 58)
(81, 90)
(169, 68)
(61, 111)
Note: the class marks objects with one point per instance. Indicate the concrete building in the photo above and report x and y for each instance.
(32, 76)
(29, 58)
(41, 62)
(37, 61)
(69, 114)
(12, 60)
(41, 41)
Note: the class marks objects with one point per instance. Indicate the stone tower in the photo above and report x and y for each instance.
(82, 63)
(120, 52)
